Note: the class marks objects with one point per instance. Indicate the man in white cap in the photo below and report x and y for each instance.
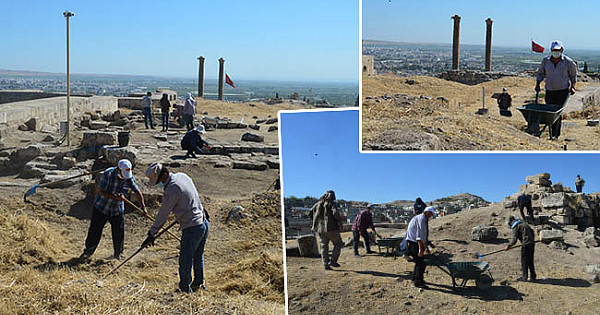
(417, 235)
(560, 73)
(192, 141)
(189, 109)
(111, 187)
(504, 103)
(181, 198)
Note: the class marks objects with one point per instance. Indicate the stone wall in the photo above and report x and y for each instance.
(53, 110)
(11, 96)
(472, 77)
(368, 65)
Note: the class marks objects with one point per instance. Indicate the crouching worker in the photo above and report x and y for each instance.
(193, 142)
(181, 198)
(417, 239)
(521, 231)
(111, 186)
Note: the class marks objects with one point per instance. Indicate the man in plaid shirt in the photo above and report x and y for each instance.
(111, 187)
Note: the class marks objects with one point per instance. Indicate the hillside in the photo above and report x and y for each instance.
(469, 198)
(375, 284)
(423, 113)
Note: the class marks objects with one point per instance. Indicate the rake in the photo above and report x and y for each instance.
(147, 216)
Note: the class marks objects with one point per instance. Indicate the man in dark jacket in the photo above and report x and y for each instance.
(363, 220)
(165, 106)
(327, 223)
(522, 232)
(193, 142)
(504, 103)
(579, 182)
(524, 201)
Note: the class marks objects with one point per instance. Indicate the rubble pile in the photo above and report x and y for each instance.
(558, 202)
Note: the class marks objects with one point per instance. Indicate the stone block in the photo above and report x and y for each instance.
(509, 203)
(272, 128)
(95, 139)
(591, 241)
(307, 244)
(252, 137)
(270, 121)
(260, 121)
(254, 126)
(484, 233)
(113, 154)
(98, 125)
(558, 245)
(591, 231)
(273, 163)
(554, 200)
(26, 154)
(66, 183)
(253, 166)
(67, 163)
(564, 219)
(547, 236)
(542, 179)
(32, 124)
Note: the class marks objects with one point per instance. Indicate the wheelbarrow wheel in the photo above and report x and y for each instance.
(484, 282)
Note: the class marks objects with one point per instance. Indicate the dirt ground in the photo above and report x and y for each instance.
(41, 240)
(428, 123)
(374, 284)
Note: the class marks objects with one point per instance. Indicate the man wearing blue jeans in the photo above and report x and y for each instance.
(181, 197)
(147, 110)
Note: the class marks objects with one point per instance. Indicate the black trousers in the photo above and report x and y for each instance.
(419, 271)
(356, 235)
(529, 213)
(527, 253)
(117, 227)
(557, 97)
(579, 188)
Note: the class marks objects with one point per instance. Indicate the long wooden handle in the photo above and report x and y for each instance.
(147, 216)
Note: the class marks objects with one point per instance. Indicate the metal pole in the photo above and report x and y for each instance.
(483, 95)
(67, 15)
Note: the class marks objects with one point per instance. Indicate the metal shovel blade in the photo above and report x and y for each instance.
(31, 191)
(479, 255)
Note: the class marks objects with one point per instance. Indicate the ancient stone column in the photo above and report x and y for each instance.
(221, 71)
(488, 45)
(455, 42)
(201, 76)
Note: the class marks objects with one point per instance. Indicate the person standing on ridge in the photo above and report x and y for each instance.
(189, 110)
(579, 182)
(560, 73)
(165, 106)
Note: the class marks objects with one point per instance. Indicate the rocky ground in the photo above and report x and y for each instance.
(568, 274)
(423, 113)
(42, 238)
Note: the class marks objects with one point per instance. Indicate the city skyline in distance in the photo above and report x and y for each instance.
(515, 23)
(307, 41)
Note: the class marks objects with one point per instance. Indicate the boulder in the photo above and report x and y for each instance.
(273, 163)
(272, 128)
(95, 139)
(26, 154)
(591, 231)
(161, 137)
(67, 163)
(484, 233)
(32, 124)
(236, 214)
(271, 121)
(307, 244)
(252, 137)
(254, 126)
(23, 127)
(558, 245)
(260, 121)
(49, 138)
(591, 241)
(547, 236)
(113, 154)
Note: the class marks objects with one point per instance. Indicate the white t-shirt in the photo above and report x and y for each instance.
(417, 229)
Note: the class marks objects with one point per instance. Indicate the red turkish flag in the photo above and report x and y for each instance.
(536, 47)
(228, 81)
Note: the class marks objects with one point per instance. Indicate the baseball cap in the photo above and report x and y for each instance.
(125, 168)
(556, 45)
(370, 206)
(504, 89)
(430, 209)
(153, 172)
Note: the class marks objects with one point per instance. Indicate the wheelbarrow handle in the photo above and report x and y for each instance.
(537, 95)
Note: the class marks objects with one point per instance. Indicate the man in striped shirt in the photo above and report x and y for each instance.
(111, 188)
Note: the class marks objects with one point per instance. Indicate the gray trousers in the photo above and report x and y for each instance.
(336, 239)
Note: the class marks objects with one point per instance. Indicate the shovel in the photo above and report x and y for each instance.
(138, 251)
(34, 188)
(127, 201)
(480, 255)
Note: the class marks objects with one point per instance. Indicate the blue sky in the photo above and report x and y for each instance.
(575, 23)
(320, 152)
(268, 40)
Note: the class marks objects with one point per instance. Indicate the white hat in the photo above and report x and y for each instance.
(504, 89)
(153, 172)
(200, 129)
(556, 45)
(430, 209)
(125, 168)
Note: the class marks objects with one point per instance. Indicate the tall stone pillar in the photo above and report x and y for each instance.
(455, 42)
(201, 76)
(488, 45)
(221, 71)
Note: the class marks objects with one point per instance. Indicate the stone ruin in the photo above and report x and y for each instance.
(558, 202)
(472, 77)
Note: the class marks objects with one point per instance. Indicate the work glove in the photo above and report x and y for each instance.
(149, 241)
